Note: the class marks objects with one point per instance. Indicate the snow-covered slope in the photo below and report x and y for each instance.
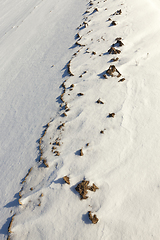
(105, 130)
(34, 36)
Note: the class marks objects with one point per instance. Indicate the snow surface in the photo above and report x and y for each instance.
(34, 36)
(123, 160)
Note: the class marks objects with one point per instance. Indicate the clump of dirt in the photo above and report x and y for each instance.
(99, 101)
(111, 115)
(64, 115)
(87, 144)
(113, 50)
(72, 86)
(111, 70)
(79, 44)
(113, 23)
(114, 59)
(61, 126)
(27, 175)
(10, 225)
(94, 53)
(58, 143)
(69, 68)
(118, 43)
(105, 76)
(63, 85)
(118, 12)
(81, 152)
(102, 132)
(82, 74)
(122, 80)
(80, 94)
(66, 179)
(57, 153)
(93, 188)
(45, 163)
(93, 218)
(83, 188)
(95, 10)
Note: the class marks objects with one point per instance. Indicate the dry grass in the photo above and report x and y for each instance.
(10, 225)
(69, 68)
(113, 50)
(99, 101)
(111, 70)
(83, 188)
(111, 115)
(118, 12)
(81, 152)
(45, 163)
(93, 218)
(122, 80)
(113, 23)
(66, 179)
(29, 171)
(80, 94)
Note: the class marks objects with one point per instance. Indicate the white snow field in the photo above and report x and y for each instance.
(95, 119)
(34, 36)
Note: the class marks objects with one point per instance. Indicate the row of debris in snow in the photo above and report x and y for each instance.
(83, 187)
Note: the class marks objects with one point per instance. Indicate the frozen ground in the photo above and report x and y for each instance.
(120, 153)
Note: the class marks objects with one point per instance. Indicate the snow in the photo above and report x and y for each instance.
(29, 85)
(122, 158)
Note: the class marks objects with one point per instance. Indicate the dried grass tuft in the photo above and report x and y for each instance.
(82, 188)
(113, 50)
(111, 115)
(66, 179)
(93, 218)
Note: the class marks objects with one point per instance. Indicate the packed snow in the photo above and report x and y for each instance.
(80, 120)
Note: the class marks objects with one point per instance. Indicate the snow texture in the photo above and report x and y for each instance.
(104, 127)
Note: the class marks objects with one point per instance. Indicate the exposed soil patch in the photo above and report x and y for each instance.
(83, 188)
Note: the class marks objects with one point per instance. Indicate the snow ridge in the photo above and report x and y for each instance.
(98, 175)
(74, 140)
